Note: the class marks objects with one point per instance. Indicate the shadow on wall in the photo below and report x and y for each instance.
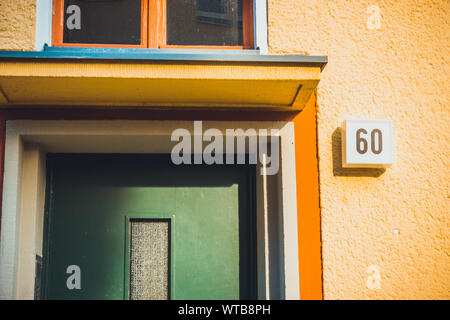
(339, 171)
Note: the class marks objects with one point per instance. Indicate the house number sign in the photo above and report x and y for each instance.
(367, 143)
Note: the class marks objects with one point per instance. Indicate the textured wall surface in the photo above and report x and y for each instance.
(395, 220)
(400, 72)
(17, 24)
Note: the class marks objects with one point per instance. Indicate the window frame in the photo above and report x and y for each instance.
(153, 28)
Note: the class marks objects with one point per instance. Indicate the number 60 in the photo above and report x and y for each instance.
(362, 144)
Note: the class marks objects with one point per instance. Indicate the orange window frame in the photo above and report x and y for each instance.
(58, 29)
(158, 35)
(153, 28)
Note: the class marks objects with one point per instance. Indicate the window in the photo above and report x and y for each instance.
(149, 255)
(153, 23)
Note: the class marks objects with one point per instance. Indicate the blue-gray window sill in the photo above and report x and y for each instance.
(206, 55)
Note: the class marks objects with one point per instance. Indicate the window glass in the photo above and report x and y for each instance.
(204, 22)
(149, 260)
(102, 21)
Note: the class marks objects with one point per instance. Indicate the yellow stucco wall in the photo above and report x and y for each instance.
(399, 72)
(17, 24)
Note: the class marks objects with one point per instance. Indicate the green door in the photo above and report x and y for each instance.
(139, 227)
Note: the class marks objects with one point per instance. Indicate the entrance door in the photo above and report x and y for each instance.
(139, 227)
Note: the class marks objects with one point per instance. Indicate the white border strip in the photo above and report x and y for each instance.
(44, 13)
(289, 208)
(10, 225)
(260, 10)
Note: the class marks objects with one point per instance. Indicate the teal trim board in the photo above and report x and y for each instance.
(165, 55)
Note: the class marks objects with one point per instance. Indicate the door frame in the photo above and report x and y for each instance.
(27, 142)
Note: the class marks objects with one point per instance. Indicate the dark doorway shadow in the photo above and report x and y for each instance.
(339, 171)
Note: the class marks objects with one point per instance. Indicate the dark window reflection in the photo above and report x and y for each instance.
(103, 21)
(204, 22)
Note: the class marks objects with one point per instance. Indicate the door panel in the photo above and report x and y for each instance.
(93, 198)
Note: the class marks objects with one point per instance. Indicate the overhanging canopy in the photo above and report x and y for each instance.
(266, 84)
